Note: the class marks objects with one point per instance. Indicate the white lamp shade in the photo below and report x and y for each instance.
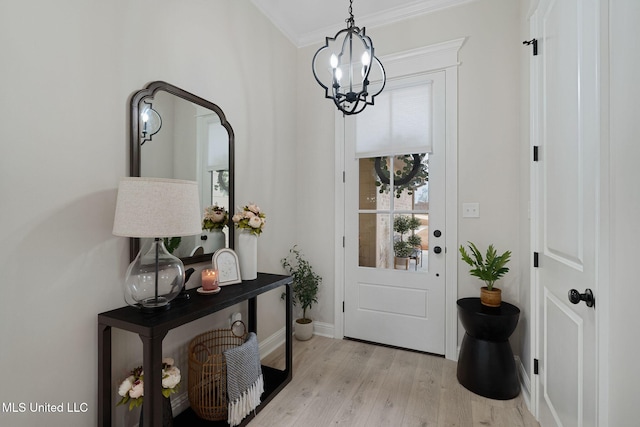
(157, 207)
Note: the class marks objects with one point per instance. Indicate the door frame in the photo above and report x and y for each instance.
(436, 57)
(603, 275)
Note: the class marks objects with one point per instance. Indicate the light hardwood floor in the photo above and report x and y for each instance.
(349, 383)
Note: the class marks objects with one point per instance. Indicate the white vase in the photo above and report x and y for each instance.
(248, 255)
(215, 240)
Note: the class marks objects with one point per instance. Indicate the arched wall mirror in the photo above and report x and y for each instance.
(176, 134)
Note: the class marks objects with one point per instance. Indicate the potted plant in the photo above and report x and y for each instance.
(489, 269)
(402, 248)
(305, 289)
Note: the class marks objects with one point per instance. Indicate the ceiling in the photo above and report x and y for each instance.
(306, 22)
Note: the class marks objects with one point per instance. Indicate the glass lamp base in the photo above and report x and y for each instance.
(154, 278)
(155, 304)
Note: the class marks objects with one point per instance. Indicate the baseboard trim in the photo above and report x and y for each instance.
(324, 329)
(180, 402)
(271, 343)
(525, 383)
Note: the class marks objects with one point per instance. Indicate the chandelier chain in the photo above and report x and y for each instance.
(350, 21)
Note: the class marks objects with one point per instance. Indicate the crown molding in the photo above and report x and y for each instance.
(386, 17)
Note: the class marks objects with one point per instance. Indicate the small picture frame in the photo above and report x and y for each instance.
(226, 262)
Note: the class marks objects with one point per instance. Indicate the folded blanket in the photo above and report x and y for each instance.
(245, 383)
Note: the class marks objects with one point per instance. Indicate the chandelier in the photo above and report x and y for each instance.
(347, 68)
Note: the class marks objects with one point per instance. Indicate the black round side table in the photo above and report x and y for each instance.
(486, 365)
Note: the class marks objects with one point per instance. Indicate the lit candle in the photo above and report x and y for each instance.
(209, 280)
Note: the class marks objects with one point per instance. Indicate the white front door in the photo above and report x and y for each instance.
(390, 299)
(565, 108)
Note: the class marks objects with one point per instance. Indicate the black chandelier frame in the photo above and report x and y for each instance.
(353, 97)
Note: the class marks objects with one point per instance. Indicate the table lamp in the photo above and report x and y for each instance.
(156, 208)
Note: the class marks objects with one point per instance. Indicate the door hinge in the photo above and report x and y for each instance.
(535, 366)
(535, 153)
(343, 177)
(535, 259)
(343, 241)
(343, 306)
(533, 42)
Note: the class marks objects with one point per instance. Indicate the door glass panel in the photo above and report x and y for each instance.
(374, 245)
(394, 187)
(411, 178)
(368, 185)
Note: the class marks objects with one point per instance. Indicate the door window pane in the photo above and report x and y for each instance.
(368, 185)
(410, 174)
(374, 245)
(394, 187)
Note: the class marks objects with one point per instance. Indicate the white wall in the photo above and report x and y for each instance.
(68, 68)
(624, 292)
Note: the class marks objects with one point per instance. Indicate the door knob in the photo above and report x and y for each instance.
(437, 249)
(575, 297)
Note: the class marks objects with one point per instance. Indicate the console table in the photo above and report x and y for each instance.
(153, 327)
(486, 365)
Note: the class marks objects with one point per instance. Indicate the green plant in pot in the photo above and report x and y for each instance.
(489, 269)
(403, 248)
(306, 283)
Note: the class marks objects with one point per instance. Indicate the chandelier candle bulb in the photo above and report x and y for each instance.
(338, 75)
(365, 59)
(334, 61)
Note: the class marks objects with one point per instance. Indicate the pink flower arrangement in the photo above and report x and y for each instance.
(250, 218)
(132, 388)
(215, 218)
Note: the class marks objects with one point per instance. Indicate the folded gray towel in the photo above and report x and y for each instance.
(245, 383)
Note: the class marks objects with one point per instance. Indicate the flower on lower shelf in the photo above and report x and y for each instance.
(132, 388)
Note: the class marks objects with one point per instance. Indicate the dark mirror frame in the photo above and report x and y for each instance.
(136, 103)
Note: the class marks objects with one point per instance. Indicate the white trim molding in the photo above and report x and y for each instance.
(525, 382)
(271, 343)
(430, 58)
(277, 339)
(385, 16)
(323, 329)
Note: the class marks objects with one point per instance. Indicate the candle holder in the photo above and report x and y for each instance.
(210, 281)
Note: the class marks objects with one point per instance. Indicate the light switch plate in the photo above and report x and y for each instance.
(471, 210)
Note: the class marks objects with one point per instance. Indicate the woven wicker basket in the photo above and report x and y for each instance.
(208, 371)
